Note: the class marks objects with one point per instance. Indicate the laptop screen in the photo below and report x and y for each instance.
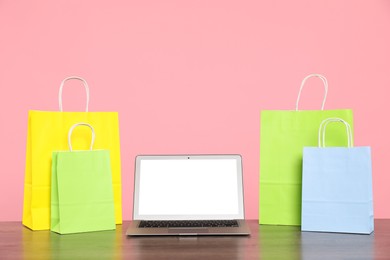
(188, 187)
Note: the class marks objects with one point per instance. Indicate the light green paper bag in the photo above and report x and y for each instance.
(283, 135)
(82, 197)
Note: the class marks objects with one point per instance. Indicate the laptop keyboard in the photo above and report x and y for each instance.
(187, 223)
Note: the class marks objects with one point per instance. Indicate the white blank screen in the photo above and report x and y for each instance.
(188, 187)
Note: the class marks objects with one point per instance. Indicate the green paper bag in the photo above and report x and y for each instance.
(283, 135)
(82, 197)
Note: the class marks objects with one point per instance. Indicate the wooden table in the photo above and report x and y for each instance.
(265, 242)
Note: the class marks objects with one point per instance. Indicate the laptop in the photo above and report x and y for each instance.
(186, 195)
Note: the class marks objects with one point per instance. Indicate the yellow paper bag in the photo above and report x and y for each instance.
(47, 132)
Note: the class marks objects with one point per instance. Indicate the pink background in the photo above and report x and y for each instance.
(193, 76)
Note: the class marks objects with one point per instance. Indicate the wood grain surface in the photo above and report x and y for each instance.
(265, 242)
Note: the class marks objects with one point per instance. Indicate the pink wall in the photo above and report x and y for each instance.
(192, 76)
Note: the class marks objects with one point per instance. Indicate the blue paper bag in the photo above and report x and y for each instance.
(337, 186)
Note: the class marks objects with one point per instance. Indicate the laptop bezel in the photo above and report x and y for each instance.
(139, 158)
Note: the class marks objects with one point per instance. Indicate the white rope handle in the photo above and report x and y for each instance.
(324, 80)
(62, 86)
(322, 131)
(71, 130)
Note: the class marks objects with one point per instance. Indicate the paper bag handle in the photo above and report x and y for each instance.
(62, 86)
(71, 130)
(324, 80)
(322, 130)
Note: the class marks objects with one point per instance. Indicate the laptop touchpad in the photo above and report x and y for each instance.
(187, 230)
